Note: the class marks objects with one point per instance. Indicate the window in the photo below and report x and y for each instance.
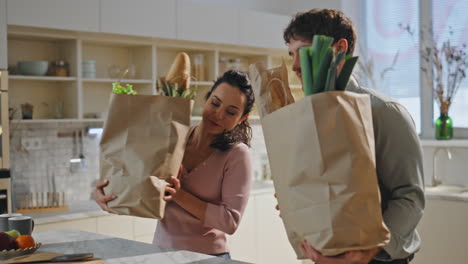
(452, 16)
(393, 54)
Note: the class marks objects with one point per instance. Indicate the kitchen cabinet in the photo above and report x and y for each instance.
(152, 18)
(443, 232)
(115, 225)
(80, 15)
(208, 23)
(261, 237)
(262, 29)
(3, 36)
(81, 96)
(122, 226)
(85, 224)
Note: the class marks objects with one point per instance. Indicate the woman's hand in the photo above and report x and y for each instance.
(172, 189)
(101, 198)
(350, 257)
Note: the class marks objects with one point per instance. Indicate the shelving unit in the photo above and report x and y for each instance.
(85, 98)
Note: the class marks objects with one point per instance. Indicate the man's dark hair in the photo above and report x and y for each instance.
(328, 22)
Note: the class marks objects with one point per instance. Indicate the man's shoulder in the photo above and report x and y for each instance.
(383, 106)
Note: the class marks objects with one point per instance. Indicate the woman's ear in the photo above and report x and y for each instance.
(341, 45)
(243, 118)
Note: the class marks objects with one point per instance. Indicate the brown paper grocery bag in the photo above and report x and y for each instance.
(272, 85)
(143, 135)
(322, 159)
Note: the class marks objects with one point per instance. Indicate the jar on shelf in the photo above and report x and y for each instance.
(237, 64)
(199, 67)
(223, 65)
(59, 68)
(89, 69)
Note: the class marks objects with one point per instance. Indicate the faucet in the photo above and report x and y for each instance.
(435, 180)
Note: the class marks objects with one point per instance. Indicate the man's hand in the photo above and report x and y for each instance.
(350, 257)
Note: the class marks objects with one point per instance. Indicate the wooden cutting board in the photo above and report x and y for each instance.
(44, 256)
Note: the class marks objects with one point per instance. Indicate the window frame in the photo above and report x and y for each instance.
(426, 95)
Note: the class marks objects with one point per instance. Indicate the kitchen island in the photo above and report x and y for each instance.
(117, 250)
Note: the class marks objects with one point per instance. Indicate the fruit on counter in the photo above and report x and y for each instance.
(25, 241)
(7, 242)
(13, 233)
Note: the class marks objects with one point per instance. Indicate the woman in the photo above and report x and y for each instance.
(207, 199)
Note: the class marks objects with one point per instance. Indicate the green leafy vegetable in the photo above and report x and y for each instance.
(119, 89)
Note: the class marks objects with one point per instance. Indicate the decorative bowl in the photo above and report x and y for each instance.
(36, 68)
(6, 254)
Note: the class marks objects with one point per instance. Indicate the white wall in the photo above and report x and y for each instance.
(3, 35)
(305, 5)
(276, 6)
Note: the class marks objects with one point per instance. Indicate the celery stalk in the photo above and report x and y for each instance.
(306, 70)
(345, 74)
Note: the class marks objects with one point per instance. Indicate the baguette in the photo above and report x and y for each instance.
(179, 72)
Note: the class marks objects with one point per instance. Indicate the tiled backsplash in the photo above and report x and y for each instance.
(40, 158)
(41, 154)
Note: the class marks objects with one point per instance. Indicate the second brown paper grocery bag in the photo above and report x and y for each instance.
(144, 135)
(322, 157)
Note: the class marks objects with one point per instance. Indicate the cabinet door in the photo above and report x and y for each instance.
(154, 18)
(262, 29)
(208, 23)
(86, 224)
(80, 15)
(116, 226)
(3, 36)
(272, 241)
(242, 242)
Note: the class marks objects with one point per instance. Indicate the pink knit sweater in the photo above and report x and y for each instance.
(223, 181)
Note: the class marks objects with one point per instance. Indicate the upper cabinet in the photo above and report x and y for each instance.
(82, 15)
(207, 23)
(262, 29)
(3, 35)
(154, 18)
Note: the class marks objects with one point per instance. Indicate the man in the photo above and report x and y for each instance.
(398, 150)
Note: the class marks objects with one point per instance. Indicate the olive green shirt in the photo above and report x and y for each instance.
(399, 165)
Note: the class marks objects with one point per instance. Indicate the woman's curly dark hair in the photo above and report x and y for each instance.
(242, 132)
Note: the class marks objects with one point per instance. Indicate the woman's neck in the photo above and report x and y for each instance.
(200, 138)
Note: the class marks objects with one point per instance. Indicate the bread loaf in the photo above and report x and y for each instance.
(179, 72)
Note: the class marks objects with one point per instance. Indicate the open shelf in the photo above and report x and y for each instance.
(106, 80)
(42, 78)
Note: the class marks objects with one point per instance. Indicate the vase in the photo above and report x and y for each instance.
(444, 127)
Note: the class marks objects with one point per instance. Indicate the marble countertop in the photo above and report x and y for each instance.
(447, 192)
(85, 209)
(116, 250)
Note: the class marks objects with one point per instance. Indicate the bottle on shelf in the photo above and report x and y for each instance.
(223, 65)
(199, 67)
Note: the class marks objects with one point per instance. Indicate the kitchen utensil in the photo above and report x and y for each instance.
(50, 257)
(37, 68)
(45, 202)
